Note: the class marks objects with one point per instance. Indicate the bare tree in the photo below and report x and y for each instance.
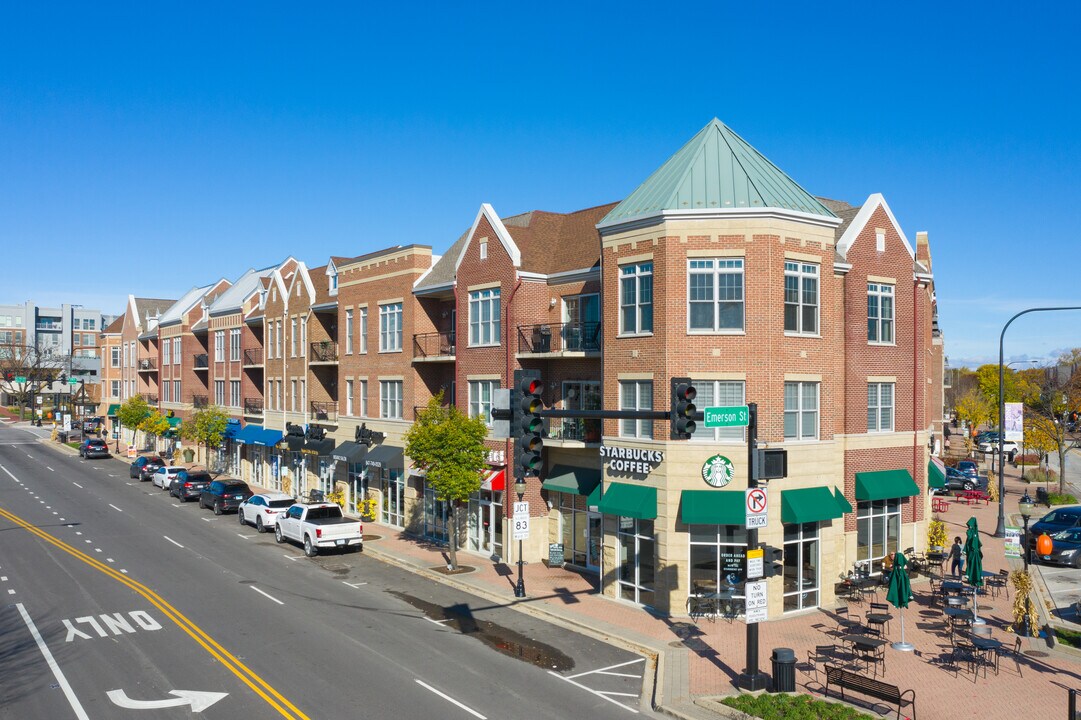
(25, 370)
(1060, 393)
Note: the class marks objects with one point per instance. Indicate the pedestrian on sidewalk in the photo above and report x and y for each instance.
(957, 560)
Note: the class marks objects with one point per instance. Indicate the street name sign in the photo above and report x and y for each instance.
(727, 416)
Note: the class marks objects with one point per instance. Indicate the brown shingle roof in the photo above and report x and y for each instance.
(844, 210)
(116, 326)
(442, 272)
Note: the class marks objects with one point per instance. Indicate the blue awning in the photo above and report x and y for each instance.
(248, 434)
(270, 438)
(232, 427)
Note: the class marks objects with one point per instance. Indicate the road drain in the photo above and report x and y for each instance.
(505, 640)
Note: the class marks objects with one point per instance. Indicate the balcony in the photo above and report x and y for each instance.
(200, 401)
(437, 346)
(553, 340)
(201, 361)
(253, 407)
(324, 412)
(147, 364)
(253, 357)
(150, 399)
(572, 432)
(325, 352)
(49, 326)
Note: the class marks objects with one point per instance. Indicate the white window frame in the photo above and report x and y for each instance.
(303, 336)
(483, 249)
(234, 344)
(802, 410)
(719, 393)
(390, 327)
(219, 393)
(176, 351)
(363, 386)
(349, 398)
(293, 337)
(293, 395)
(635, 428)
(485, 331)
(880, 314)
(637, 274)
(219, 346)
(716, 269)
(880, 410)
(234, 393)
(177, 396)
(803, 273)
(114, 388)
(481, 393)
(390, 399)
(349, 331)
(363, 330)
(279, 339)
(114, 357)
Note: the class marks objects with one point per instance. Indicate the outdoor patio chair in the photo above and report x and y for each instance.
(872, 659)
(1014, 650)
(822, 654)
(880, 609)
(966, 652)
(847, 622)
(1005, 575)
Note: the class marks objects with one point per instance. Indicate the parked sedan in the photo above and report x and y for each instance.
(145, 467)
(1065, 548)
(263, 510)
(969, 467)
(957, 480)
(224, 495)
(94, 448)
(163, 477)
(1058, 520)
(189, 485)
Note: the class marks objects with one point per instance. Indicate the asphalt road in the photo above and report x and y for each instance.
(123, 603)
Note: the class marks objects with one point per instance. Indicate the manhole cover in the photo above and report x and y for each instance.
(1035, 653)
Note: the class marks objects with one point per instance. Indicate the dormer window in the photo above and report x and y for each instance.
(483, 249)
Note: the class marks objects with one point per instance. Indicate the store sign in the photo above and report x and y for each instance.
(717, 471)
(633, 461)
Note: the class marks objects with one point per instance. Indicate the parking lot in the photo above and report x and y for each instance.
(1063, 588)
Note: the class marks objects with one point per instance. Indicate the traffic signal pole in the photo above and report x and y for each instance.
(751, 678)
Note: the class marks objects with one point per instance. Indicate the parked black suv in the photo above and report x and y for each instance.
(93, 448)
(224, 495)
(145, 467)
(1059, 519)
(188, 485)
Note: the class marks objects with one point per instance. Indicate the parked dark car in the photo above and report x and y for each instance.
(969, 467)
(1065, 548)
(94, 448)
(1067, 517)
(224, 495)
(145, 467)
(189, 485)
(957, 480)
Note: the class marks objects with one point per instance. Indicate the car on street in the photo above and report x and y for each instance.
(1008, 446)
(985, 436)
(968, 467)
(188, 484)
(224, 495)
(957, 480)
(163, 476)
(319, 526)
(1065, 548)
(94, 448)
(144, 467)
(263, 510)
(1065, 517)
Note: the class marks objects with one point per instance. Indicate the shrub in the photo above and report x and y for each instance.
(1068, 637)
(1027, 459)
(1039, 476)
(1061, 499)
(793, 707)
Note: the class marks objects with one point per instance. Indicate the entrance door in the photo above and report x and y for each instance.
(593, 559)
(480, 525)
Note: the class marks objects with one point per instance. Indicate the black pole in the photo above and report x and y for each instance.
(519, 588)
(752, 678)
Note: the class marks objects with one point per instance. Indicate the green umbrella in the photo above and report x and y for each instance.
(899, 595)
(974, 563)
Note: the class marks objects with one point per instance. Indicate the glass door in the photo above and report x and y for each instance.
(595, 541)
(393, 487)
(581, 318)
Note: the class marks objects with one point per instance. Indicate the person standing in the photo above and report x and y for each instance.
(957, 561)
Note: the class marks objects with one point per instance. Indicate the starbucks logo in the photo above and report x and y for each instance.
(718, 471)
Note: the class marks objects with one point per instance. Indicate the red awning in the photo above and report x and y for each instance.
(495, 480)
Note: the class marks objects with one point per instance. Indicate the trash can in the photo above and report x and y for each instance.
(784, 670)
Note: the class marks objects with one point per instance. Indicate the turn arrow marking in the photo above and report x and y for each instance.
(199, 701)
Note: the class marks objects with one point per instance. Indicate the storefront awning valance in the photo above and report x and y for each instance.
(936, 476)
(576, 481)
(885, 484)
(322, 448)
(292, 443)
(712, 507)
(815, 504)
(113, 410)
(269, 438)
(636, 501)
(494, 480)
(842, 501)
(350, 452)
(248, 434)
(231, 430)
(385, 456)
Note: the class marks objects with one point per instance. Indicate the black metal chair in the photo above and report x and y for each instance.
(1014, 650)
(822, 654)
(881, 611)
(966, 652)
(847, 622)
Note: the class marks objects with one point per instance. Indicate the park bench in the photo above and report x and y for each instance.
(872, 688)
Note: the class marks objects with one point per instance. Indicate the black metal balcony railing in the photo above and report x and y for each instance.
(253, 406)
(202, 362)
(147, 364)
(560, 337)
(324, 351)
(253, 356)
(150, 399)
(437, 344)
(324, 411)
(200, 401)
(587, 430)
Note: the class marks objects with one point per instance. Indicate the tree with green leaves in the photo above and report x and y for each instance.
(206, 427)
(973, 408)
(155, 424)
(449, 447)
(132, 413)
(1017, 387)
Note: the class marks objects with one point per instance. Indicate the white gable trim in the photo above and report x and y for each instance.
(486, 210)
(860, 222)
(134, 312)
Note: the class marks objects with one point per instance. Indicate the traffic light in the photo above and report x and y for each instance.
(683, 409)
(774, 561)
(527, 426)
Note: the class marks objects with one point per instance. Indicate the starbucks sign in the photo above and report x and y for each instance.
(718, 471)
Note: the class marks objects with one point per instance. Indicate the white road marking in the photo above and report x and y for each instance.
(124, 571)
(174, 542)
(242, 537)
(198, 701)
(448, 698)
(435, 622)
(271, 597)
(353, 585)
(604, 670)
(3, 578)
(124, 483)
(60, 679)
(594, 692)
(49, 469)
(108, 560)
(55, 512)
(48, 507)
(78, 532)
(87, 542)
(11, 592)
(111, 475)
(29, 456)
(114, 507)
(291, 557)
(206, 519)
(76, 484)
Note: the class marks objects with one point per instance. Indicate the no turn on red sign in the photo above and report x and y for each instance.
(756, 507)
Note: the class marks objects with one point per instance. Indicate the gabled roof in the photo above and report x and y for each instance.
(141, 308)
(232, 300)
(859, 222)
(188, 300)
(115, 327)
(716, 172)
(321, 283)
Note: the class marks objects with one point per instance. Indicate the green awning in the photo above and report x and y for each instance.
(113, 409)
(174, 422)
(712, 507)
(809, 505)
(936, 478)
(842, 501)
(885, 484)
(636, 501)
(576, 481)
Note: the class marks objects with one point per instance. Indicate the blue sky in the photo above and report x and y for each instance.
(149, 147)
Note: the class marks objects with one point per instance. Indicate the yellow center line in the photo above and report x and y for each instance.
(245, 674)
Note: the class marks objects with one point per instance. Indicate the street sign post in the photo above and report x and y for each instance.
(726, 416)
(755, 564)
(756, 507)
(755, 603)
(73, 381)
(20, 379)
(521, 520)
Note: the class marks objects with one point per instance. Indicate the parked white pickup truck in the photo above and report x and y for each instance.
(319, 526)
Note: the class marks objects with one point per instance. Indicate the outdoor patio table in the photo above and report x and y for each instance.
(987, 648)
(955, 586)
(868, 642)
(958, 613)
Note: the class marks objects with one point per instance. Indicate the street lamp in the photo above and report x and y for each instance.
(519, 588)
(1025, 507)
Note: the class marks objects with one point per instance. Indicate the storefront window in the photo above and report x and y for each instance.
(878, 529)
(718, 559)
(436, 517)
(637, 560)
(485, 523)
(800, 566)
(392, 483)
(581, 531)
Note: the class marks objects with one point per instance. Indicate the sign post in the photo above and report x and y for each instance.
(756, 602)
(752, 678)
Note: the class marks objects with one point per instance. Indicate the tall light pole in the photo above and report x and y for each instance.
(1000, 529)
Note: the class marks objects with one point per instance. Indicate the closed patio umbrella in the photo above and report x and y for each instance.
(974, 564)
(899, 595)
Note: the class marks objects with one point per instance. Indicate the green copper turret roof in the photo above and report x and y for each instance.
(716, 170)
